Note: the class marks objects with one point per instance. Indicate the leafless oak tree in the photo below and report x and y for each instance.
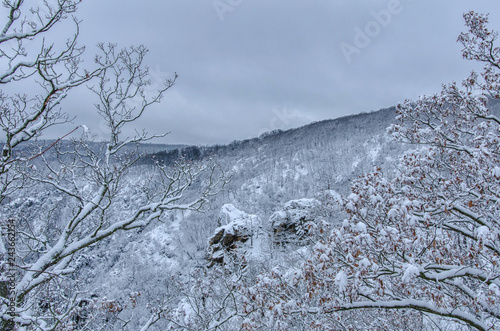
(92, 180)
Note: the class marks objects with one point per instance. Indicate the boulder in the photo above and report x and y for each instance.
(290, 224)
(227, 238)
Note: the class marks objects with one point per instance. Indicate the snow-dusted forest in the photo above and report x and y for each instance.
(385, 220)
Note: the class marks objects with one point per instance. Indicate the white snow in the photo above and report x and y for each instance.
(410, 273)
(295, 211)
(334, 195)
(240, 222)
(496, 172)
(2, 247)
(393, 213)
(353, 197)
(361, 227)
(373, 153)
(305, 203)
(341, 281)
(364, 263)
(482, 232)
(232, 214)
(300, 171)
(235, 219)
(495, 289)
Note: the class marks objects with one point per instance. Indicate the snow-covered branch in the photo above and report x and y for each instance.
(425, 239)
(421, 306)
(94, 182)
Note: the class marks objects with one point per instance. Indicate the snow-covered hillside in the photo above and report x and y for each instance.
(286, 190)
(267, 172)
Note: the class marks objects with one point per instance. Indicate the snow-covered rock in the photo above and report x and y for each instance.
(238, 229)
(290, 223)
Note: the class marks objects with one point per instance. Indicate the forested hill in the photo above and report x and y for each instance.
(283, 165)
(347, 131)
(277, 178)
(328, 152)
(267, 172)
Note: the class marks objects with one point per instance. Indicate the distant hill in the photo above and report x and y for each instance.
(282, 165)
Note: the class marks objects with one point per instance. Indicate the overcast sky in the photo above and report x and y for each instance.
(250, 66)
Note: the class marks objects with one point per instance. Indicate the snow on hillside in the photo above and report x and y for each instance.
(262, 211)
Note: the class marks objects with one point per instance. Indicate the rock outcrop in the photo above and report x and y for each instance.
(290, 225)
(238, 229)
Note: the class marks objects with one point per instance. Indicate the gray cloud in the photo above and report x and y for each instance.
(278, 64)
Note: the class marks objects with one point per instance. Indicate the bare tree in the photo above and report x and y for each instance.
(94, 181)
(50, 70)
(36, 76)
